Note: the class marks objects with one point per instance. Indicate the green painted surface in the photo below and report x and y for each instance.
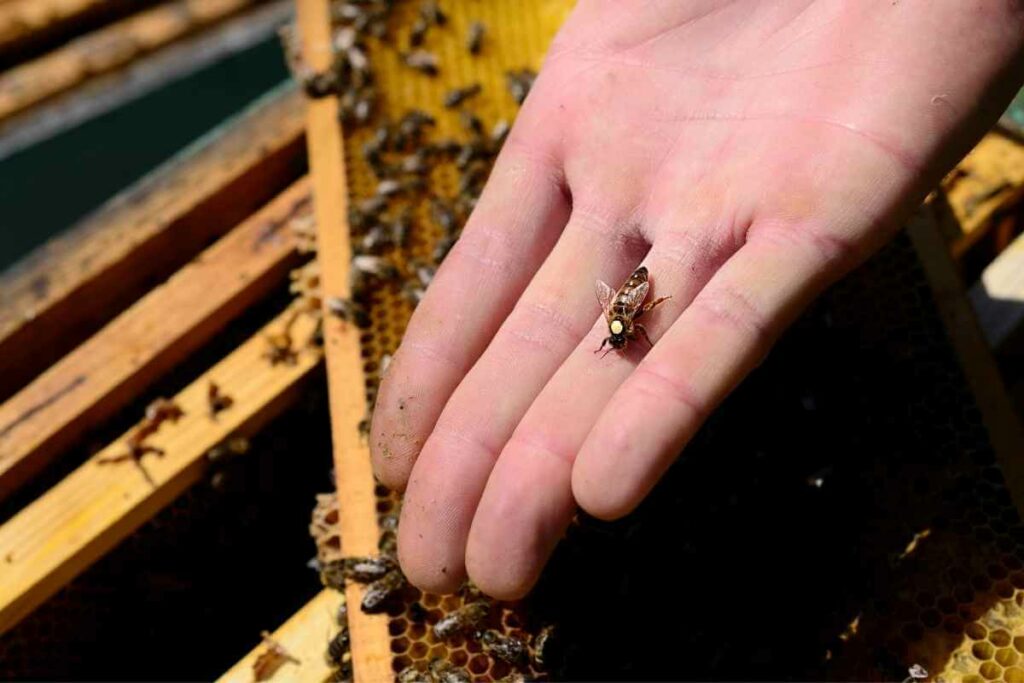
(49, 186)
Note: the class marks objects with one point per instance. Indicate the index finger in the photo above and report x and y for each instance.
(520, 215)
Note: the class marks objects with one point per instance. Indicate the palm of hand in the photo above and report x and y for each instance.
(747, 154)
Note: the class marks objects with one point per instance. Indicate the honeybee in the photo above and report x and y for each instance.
(622, 308)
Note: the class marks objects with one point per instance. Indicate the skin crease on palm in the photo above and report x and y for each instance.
(749, 153)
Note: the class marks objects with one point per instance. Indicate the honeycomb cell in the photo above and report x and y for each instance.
(999, 638)
(479, 664)
(459, 658)
(399, 663)
(499, 670)
(973, 678)
(912, 632)
(990, 671)
(997, 572)
(983, 650)
(1018, 644)
(1005, 590)
(416, 631)
(1007, 656)
(931, 618)
(418, 650)
(953, 624)
(396, 627)
(946, 604)
(1014, 675)
(399, 645)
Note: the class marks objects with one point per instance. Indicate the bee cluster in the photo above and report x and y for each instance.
(403, 154)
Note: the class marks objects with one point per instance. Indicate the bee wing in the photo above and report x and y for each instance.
(605, 295)
(635, 297)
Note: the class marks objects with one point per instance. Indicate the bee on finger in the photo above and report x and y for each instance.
(622, 308)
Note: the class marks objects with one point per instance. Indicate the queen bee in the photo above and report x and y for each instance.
(622, 308)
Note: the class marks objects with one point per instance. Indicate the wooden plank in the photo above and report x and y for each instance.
(73, 285)
(305, 636)
(30, 22)
(371, 654)
(107, 92)
(60, 534)
(998, 300)
(108, 48)
(988, 179)
(1003, 425)
(118, 363)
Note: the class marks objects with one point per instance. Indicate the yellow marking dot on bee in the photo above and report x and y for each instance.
(616, 327)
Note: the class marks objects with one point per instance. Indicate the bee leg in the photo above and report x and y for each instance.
(603, 342)
(648, 306)
(643, 332)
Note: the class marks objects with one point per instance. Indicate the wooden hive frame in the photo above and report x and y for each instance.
(65, 61)
(81, 300)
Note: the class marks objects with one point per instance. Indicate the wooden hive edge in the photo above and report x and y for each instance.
(51, 541)
(119, 362)
(371, 656)
(70, 287)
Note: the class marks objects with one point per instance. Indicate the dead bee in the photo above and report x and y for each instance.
(506, 648)
(421, 60)
(431, 13)
(622, 308)
(159, 411)
(272, 659)
(457, 96)
(381, 591)
(418, 32)
(445, 672)
(279, 348)
(475, 37)
(217, 401)
(519, 83)
(467, 618)
(411, 674)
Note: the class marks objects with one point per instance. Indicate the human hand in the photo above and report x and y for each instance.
(748, 153)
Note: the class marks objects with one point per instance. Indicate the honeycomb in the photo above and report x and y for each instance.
(516, 36)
